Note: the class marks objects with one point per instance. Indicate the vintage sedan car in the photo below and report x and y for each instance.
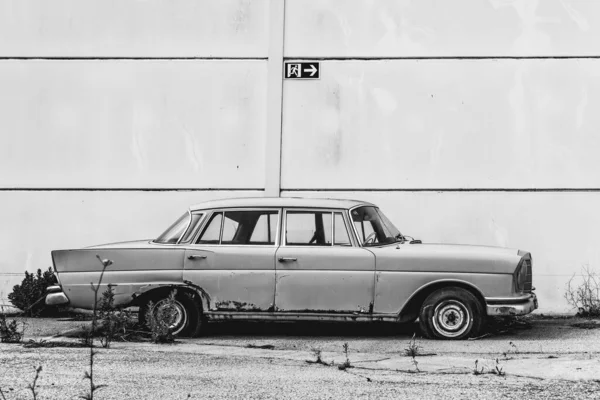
(297, 259)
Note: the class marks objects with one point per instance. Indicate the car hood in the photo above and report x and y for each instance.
(446, 258)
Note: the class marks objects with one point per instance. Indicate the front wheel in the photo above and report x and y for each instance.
(452, 314)
(182, 313)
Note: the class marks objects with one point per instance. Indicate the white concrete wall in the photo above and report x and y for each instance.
(468, 121)
(424, 105)
(144, 96)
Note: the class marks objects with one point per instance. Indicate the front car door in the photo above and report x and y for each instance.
(319, 268)
(233, 259)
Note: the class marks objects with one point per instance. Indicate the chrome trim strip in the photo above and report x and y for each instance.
(509, 300)
(504, 309)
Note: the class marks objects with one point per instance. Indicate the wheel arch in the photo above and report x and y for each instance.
(411, 308)
(160, 290)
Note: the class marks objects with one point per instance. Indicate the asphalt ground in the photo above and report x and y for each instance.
(532, 359)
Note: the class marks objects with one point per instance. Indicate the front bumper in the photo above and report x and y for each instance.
(55, 296)
(508, 307)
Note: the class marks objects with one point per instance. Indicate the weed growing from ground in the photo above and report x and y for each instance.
(318, 358)
(512, 350)
(476, 370)
(89, 375)
(496, 369)
(157, 322)
(116, 324)
(413, 350)
(32, 385)
(346, 364)
(9, 331)
(586, 295)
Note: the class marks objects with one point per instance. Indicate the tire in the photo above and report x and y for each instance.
(185, 313)
(451, 314)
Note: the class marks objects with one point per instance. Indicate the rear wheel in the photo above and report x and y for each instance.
(451, 313)
(182, 314)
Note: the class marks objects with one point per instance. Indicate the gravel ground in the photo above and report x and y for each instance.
(220, 365)
(135, 374)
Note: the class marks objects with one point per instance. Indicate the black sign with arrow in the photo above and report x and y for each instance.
(301, 70)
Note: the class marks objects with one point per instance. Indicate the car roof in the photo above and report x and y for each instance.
(300, 202)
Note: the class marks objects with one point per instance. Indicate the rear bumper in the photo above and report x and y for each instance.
(56, 297)
(508, 307)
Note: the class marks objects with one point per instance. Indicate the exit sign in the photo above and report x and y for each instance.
(301, 70)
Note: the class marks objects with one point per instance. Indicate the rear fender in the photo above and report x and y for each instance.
(156, 291)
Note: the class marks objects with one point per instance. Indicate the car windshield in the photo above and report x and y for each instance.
(174, 232)
(373, 227)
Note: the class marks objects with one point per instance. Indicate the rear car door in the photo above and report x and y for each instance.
(233, 259)
(319, 268)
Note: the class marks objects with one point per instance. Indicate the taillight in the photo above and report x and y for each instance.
(521, 277)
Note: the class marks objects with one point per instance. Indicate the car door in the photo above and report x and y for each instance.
(319, 269)
(233, 259)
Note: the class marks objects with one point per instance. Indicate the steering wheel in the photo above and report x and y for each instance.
(370, 238)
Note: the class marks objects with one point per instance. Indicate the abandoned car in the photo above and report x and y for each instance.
(297, 259)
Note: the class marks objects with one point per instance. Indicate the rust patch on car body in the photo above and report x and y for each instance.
(232, 305)
(506, 311)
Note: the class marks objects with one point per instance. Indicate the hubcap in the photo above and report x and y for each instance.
(172, 313)
(451, 318)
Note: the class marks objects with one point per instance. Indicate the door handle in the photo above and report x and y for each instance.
(287, 259)
(195, 257)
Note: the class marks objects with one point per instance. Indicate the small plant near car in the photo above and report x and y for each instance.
(158, 320)
(413, 350)
(512, 350)
(89, 375)
(346, 364)
(33, 385)
(497, 369)
(30, 294)
(116, 324)
(318, 357)
(584, 295)
(477, 370)
(9, 331)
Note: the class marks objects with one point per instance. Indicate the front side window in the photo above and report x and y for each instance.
(174, 232)
(373, 227)
(308, 228)
(241, 228)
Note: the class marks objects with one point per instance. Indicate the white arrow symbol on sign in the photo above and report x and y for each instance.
(313, 70)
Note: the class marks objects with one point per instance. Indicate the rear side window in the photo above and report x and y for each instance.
(252, 227)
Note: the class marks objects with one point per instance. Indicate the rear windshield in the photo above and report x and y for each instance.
(174, 232)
